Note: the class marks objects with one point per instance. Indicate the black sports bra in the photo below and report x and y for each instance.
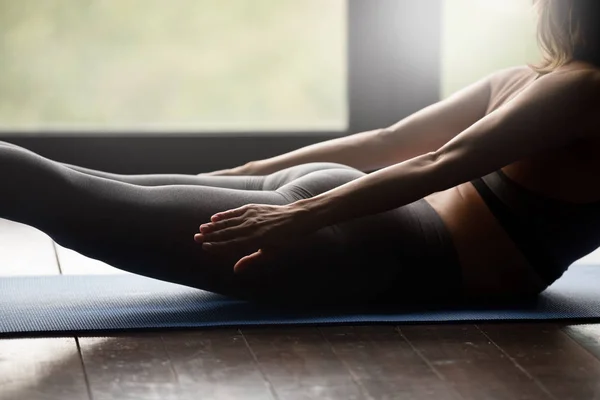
(551, 234)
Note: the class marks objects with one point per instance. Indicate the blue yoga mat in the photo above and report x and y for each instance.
(61, 304)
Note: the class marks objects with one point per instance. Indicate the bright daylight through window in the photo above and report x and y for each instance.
(179, 65)
(483, 36)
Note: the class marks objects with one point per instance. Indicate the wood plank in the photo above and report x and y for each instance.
(551, 357)
(48, 369)
(212, 364)
(587, 336)
(216, 364)
(25, 251)
(129, 367)
(474, 366)
(74, 263)
(35, 368)
(385, 365)
(299, 364)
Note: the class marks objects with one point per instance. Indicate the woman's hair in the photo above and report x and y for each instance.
(567, 30)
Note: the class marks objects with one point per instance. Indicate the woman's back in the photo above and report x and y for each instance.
(491, 260)
(565, 173)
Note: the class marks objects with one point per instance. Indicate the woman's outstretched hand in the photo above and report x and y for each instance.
(254, 229)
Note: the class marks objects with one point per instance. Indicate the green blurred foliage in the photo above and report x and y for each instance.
(216, 64)
(200, 64)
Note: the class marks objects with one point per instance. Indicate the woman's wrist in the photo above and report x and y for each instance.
(259, 167)
(315, 211)
(246, 169)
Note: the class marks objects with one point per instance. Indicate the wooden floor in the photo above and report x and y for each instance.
(489, 361)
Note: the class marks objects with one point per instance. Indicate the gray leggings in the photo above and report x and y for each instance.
(145, 224)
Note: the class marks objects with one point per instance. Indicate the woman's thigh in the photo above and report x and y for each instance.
(145, 230)
(149, 231)
(386, 257)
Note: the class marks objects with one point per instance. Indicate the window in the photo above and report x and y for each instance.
(483, 36)
(150, 86)
(200, 65)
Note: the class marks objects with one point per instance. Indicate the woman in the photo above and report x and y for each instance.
(474, 197)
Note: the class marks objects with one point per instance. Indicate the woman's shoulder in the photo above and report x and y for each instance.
(525, 71)
(507, 82)
(511, 75)
(516, 70)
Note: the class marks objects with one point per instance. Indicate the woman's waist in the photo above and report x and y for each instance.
(491, 261)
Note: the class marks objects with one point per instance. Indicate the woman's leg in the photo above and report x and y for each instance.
(266, 182)
(149, 231)
(242, 182)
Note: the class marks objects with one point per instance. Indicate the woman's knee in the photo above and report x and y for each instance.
(317, 182)
(283, 177)
(316, 166)
(304, 169)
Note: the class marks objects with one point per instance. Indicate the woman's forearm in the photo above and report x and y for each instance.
(377, 192)
(361, 151)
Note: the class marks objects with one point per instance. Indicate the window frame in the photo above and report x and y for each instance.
(388, 79)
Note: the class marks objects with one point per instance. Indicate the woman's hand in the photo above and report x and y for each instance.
(256, 229)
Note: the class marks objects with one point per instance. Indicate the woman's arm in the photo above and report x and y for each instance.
(540, 118)
(428, 129)
(420, 133)
(357, 150)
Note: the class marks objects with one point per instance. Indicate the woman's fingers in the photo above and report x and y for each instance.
(253, 259)
(244, 229)
(247, 261)
(221, 235)
(242, 233)
(236, 212)
(215, 226)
